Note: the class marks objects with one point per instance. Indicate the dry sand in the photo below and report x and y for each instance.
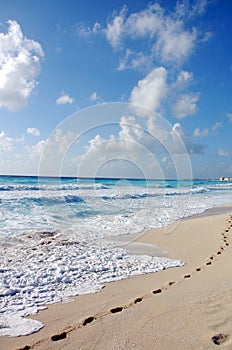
(187, 307)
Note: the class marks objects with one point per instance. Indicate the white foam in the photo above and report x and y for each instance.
(38, 271)
(15, 324)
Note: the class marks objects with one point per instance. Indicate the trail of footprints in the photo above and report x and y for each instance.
(216, 339)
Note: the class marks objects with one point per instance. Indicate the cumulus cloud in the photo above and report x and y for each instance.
(20, 63)
(115, 29)
(37, 149)
(193, 148)
(63, 99)
(207, 131)
(33, 131)
(216, 126)
(156, 88)
(134, 141)
(6, 143)
(167, 35)
(151, 90)
(184, 77)
(201, 133)
(185, 105)
(54, 153)
(168, 39)
(174, 44)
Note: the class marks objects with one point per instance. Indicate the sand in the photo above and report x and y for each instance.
(187, 307)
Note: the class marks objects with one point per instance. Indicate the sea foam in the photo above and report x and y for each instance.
(46, 268)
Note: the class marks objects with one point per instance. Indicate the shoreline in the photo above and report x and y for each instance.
(132, 243)
(197, 240)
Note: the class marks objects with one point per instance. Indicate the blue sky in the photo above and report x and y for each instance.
(60, 57)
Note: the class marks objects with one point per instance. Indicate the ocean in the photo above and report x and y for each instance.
(54, 235)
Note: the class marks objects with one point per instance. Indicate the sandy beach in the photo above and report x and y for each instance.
(185, 307)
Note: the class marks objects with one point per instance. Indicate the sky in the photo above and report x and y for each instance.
(116, 88)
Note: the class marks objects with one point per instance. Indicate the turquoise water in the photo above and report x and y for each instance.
(31, 203)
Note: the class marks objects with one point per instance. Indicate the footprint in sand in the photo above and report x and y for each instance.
(171, 283)
(88, 320)
(60, 336)
(116, 309)
(157, 291)
(138, 300)
(220, 338)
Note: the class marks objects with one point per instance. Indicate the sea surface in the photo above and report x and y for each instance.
(54, 235)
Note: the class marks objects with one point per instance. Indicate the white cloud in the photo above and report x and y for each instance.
(61, 140)
(37, 150)
(174, 44)
(19, 66)
(216, 126)
(63, 99)
(96, 27)
(94, 96)
(199, 7)
(6, 143)
(223, 153)
(115, 28)
(84, 32)
(155, 88)
(185, 9)
(33, 131)
(151, 90)
(192, 148)
(54, 147)
(207, 131)
(185, 105)
(201, 133)
(167, 36)
(133, 60)
(146, 23)
(184, 77)
(136, 143)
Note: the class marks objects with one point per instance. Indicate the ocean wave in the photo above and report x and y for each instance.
(226, 186)
(43, 200)
(198, 190)
(58, 200)
(52, 187)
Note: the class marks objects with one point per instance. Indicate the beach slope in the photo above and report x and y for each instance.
(186, 307)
